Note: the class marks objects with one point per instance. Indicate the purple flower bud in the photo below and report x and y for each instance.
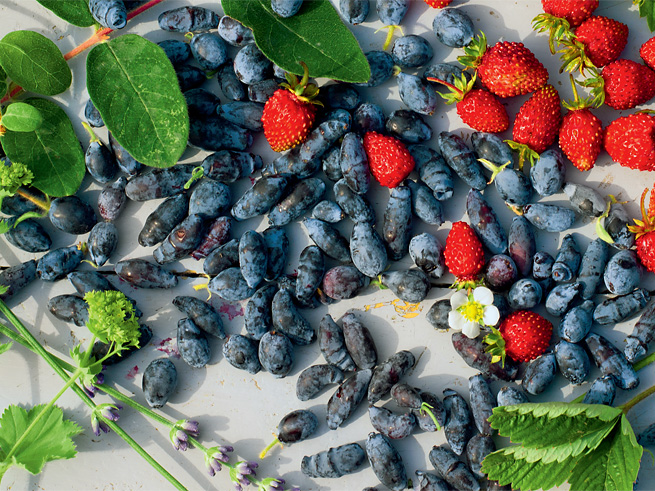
(179, 439)
(97, 426)
(246, 468)
(189, 426)
(110, 411)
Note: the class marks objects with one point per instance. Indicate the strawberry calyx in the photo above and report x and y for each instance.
(525, 152)
(304, 91)
(597, 84)
(647, 223)
(468, 282)
(573, 56)
(458, 89)
(495, 169)
(496, 346)
(577, 103)
(558, 29)
(474, 52)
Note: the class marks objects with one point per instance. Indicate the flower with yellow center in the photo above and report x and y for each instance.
(471, 310)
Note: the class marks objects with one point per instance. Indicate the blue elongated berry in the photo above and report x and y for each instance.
(286, 8)
(577, 322)
(342, 115)
(215, 133)
(16, 277)
(343, 282)
(592, 267)
(426, 481)
(411, 286)
(637, 343)
(109, 13)
(585, 200)
(332, 343)
(314, 379)
(509, 396)
(102, 242)
(112, 198)
(433, 171)
(397, 224)
(367, 250)
(209, 50)
(330, 163)
(222, 258)
(381, 64)
(455, 472)
(241, 352)
(392, 12)
(126, 162)
(368, 117)
(458, 429)
(619, 308)
(482, 403)
(623, 272)
(159, 382)
(548, 172)
(262, 91)
(234, 32)
(228, 166)
(567, 261)
(461, 159)
(311, 266)
(611, 361)
(188, 19)
(602, 391)
(72, 215)
(572, 361)
(354, 163)
(616, 224)
(29, 235)
(250, 65)
(92, 115)
(143, 274)
(427, 253)
(491, 147)
(189, 77)
(277, 247)
(561, 297)
(192, 344)
(473, 353)
(392, 425)
(334, 462)
(354, 11)
(178, 52)
(411, 51)
(328, 211)
(358, 341)
(159, 183)
(231, 86)
(321, 139)
(347, 397)
(209, 198)
(446, 72)
(302, 198)
(218, 233)
(521, 244)
(540, 373)
(162, 221)
(88, 281)
(260, 197)
(258, 317)
(478, 447)
(340, 96)
(512, 185)
(69, 308)
(485, 222)
(408, 126)
(500, 272)
(253, 256)
(542, 267)
(453, 27)
(354, 205)
(182, 240)
(416, 94)
(58, 263)
(424, 204)
(551, 218)
(287, 319)
(202, 314)
(230, 285)
(276, 353)
(243, 113)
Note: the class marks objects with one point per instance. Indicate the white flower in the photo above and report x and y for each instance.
(470, 311)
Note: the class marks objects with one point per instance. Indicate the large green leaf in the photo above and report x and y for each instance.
(3, 82)
(50, 438)
(613, 466)
(34, 62)
(74, 11)
(21, 117)
(315, 35)
(134, 87)
(647, 9)
(52, 152)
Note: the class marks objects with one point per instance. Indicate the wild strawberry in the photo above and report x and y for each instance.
(537, 124)
(523, 336)
(603, 39)
(290, 112)
(438, 4)
(574, 11)
(477, 108)
(506, 69)
(630, 141)
(623, 84)
(647, 52)
(645, 231)
(388, 158)
(581, 133)
(463, 254)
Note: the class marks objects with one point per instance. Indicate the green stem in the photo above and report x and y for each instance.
(637, 399)
(44, 205)
(71, 380)
(128, 401)
(52, 361)
(269, 447)
(92, 134)
(426, 408)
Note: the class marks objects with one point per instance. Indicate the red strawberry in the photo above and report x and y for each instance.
(574, 11)
(537, 123)
(645, 231)
(388, 158)
(581, 133)
(603, 39)
(438, 4)
(506, 69)
(623, 84)
(477, 108)
(463, 254)
(290, 112)
(630, 141)
(523, 336)
(647, 52)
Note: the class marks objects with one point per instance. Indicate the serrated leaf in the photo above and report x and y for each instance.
(647, 9)
(315, 35)
(52, 152)
(21, 117)
(507, 466)
(75, 12)
(34, 62)
(50, 438)
(613, 466)
(133, 85)
(564, 429)
(4, 347)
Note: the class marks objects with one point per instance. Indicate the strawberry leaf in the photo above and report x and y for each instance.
(647, 9)
(614, 465)
(315, 35)
(49, 439)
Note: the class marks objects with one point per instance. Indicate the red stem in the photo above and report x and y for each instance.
(99, 35)
(443, 82)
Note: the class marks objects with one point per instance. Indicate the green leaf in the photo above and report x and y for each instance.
(52, 152)
(647, 9)
(3, 82)
(50, 438)
(34, 62)
(613, 466)
(564, 429)
(134, 87)
(510, 466)
(5, 226)
(4, 347)
(21, 117)
(75, 12)
(315, 35)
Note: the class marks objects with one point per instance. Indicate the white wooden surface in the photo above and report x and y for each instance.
(234, 407)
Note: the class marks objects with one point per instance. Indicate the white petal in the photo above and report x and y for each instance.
(483, 295)
(471, 329)
(490, 315)
(456, 320)
(458, 299)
